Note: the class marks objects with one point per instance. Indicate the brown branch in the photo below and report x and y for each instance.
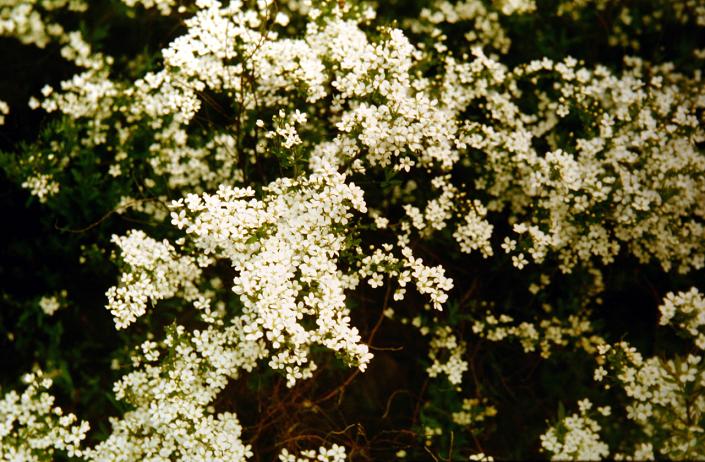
(450, 449)
(115, 210)
(431, 454)
(417, 409)
(373, 332)
(389, 401)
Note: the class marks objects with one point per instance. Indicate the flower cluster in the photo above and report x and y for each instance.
(335, 453)
(154, 271)
(545, 335)
(446, 344)
(686, 311)
(631, 21)
(42, 186)
(33, 428)
(616, 184)
(4, 111)
(172, 394)
(52, 303)
(665, 397)
(576, 437)
(285, 250)
(474, 412)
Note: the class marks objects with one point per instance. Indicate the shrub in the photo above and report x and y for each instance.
(353, 230)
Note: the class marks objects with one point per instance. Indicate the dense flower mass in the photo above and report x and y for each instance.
(351, 230)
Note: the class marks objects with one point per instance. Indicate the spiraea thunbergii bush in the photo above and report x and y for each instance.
(305, 230)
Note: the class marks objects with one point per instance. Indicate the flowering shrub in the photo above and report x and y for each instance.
(325, 230)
